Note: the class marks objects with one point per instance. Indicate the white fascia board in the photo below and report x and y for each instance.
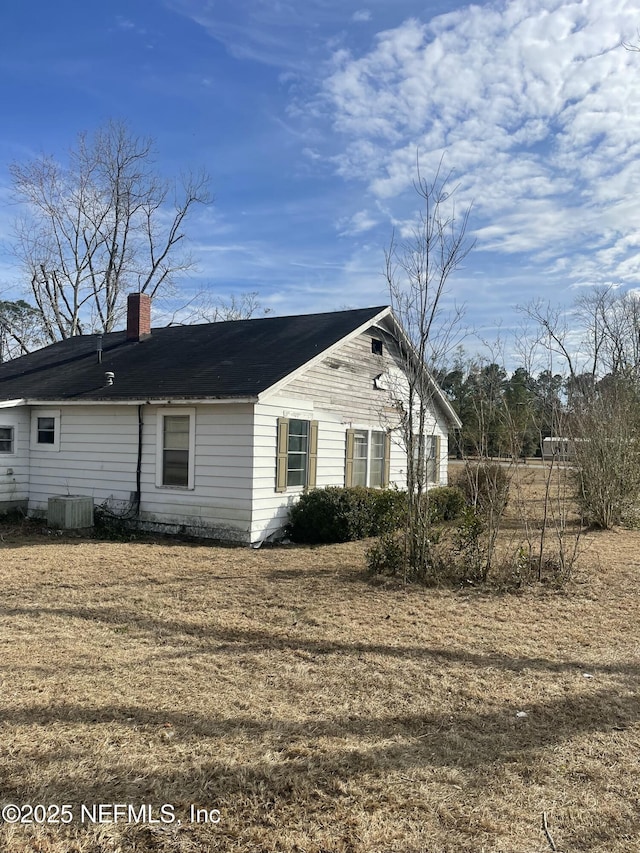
(187, 401)
(273, 389)
(12, 404)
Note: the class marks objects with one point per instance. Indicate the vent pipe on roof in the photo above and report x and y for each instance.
(138, 316)
(99, 348)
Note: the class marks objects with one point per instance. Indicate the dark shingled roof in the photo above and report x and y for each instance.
(238, 358)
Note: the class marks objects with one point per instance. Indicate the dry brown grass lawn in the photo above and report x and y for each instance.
(316, 712)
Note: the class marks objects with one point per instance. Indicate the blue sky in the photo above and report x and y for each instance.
(308, 116)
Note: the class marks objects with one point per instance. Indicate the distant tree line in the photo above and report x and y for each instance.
(502, 414)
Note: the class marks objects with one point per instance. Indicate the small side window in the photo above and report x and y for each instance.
(175, 448)
(376, 346)
(45, 429)
(6, 439)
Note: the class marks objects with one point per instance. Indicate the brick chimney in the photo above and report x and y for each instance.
(138, 316)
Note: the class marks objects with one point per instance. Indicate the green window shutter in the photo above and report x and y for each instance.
(282, 454)
(348, 467)
(313, 454)
(386, 468)
(437, 459)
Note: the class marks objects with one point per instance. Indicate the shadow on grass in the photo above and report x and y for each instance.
(242, 640)
(309, 763)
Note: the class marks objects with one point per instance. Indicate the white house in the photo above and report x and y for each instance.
(213, 429)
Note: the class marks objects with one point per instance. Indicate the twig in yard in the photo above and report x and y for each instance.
(547, 833)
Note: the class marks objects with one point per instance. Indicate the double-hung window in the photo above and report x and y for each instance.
(175, 448)
(367, 458)
(430, 459)
(297, 454)
(378, 462)
(45, 429)
(433, 459)
(7, 438)
(360, 457)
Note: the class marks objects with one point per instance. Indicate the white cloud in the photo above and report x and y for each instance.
(124, 23)
(361, 16)
(534, 103)
(128, 25)
(359, 223)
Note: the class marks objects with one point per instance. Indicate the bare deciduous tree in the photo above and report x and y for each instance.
(103, 224)
(417, 270)
(20, 329)
(602, 418)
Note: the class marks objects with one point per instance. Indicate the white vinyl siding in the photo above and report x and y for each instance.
(98, 457)
(344, 384)
(360, 388)
(271, 508)
(219, 504)
(14, 465)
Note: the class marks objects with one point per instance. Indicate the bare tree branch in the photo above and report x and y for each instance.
(99, 227)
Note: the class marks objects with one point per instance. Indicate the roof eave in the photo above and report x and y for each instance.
(141, 401)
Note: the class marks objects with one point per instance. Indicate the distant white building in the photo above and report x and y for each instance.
(559, 448)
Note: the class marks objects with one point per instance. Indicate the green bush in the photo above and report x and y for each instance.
(446, 503)
(335, 514)
(389, 510)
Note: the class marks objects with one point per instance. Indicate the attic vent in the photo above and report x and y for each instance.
(376, 346)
